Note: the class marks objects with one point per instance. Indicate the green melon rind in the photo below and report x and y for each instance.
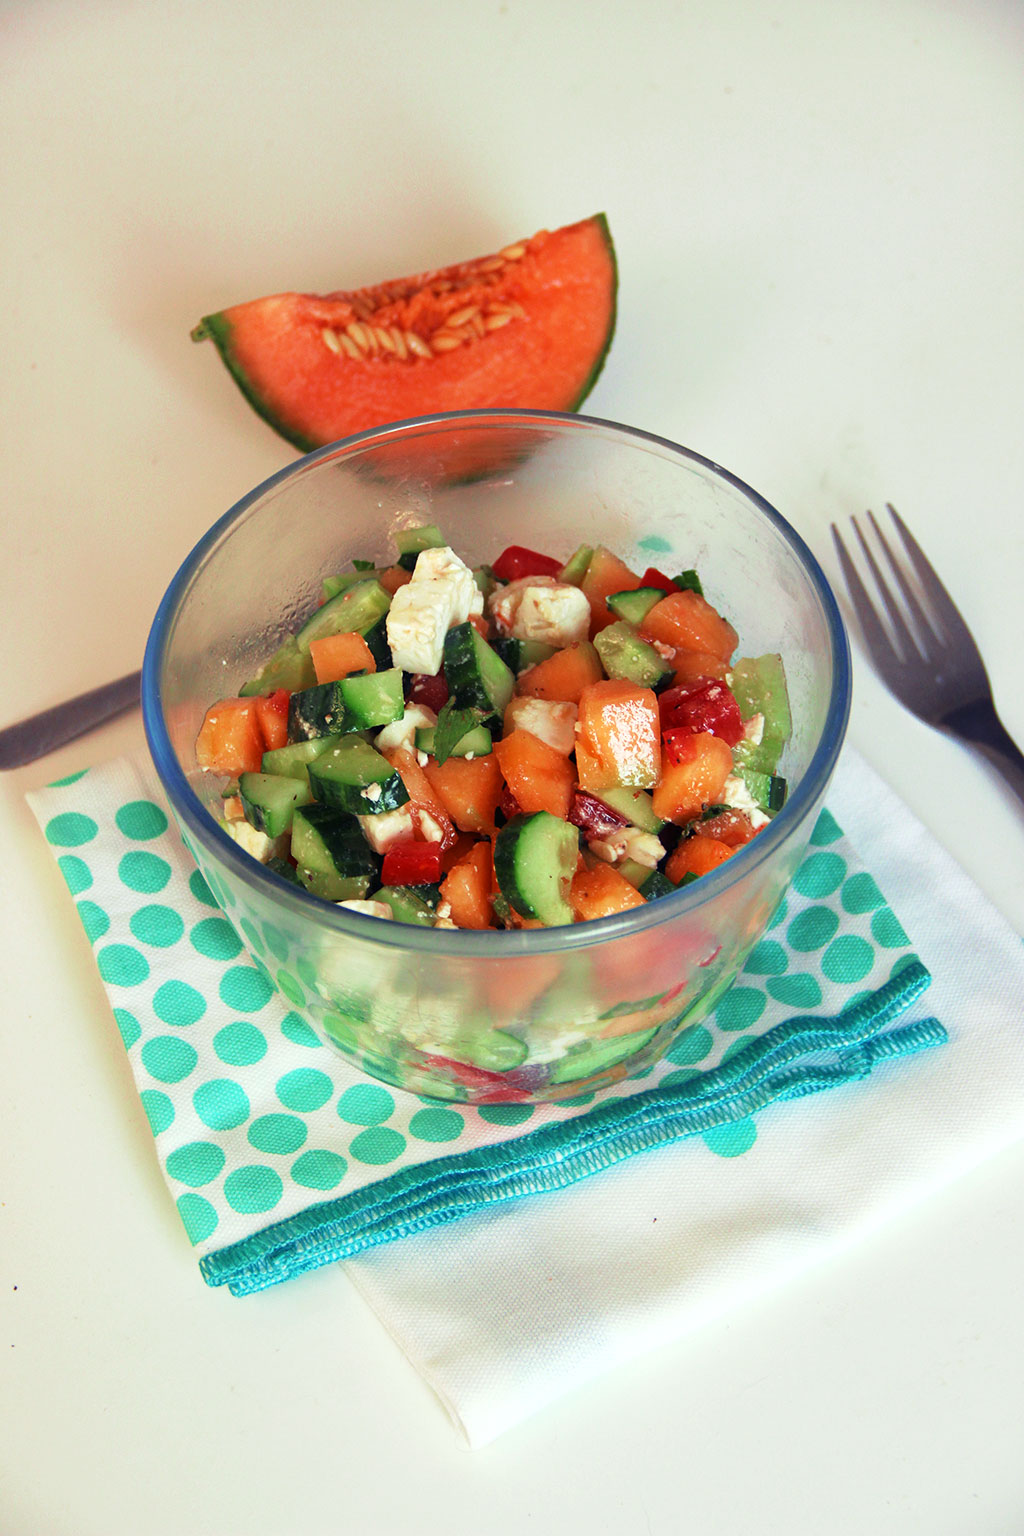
(217, 328)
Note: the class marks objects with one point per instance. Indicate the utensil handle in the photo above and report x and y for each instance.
(980, 725)
(39, 734)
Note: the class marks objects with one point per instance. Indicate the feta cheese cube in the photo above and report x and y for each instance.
(737, 795)
(442, 593)
(371, 908)
(540, 608)
(551, 720)
(387, 828)
(402, 733)
(258, 844)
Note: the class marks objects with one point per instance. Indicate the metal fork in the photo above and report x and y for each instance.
(927, 655)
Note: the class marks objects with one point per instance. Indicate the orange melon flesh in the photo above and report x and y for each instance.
(526, 327)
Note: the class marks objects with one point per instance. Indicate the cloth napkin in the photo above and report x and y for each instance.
(281, 1157)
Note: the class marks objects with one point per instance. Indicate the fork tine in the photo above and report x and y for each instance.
(926, 628)
(906, 643)
(943, 606)
(878, 642)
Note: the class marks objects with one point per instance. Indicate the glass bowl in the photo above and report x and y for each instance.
(496, 1016)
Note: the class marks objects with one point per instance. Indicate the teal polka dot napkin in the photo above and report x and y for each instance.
(281, 1157)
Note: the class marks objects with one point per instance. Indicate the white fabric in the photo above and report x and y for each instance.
(504, 1312)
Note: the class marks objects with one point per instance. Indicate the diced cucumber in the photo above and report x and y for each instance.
(520, 654)
(269, 801)
(334, 859)
(355, 610)
(476, 742)
(290, 667)
(285, 870)
(655, 885)
(759, 685)
(406, 906)
(637, 804)
(768, 789)
(634, 606)
(409, 542)
(318, 711)
(359, 702)
(592, 1056)
(292, 761)
(352, 776)
(575, 568)
(623, 654)
(484, 578)
(476, 675)
(376, 638)
(534, 861)
(373, 698)
(633, 871)
(332, 585)
(490, 1049)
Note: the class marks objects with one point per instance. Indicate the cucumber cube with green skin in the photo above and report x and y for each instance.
(332, 585)
(319, 711)
(354, 777)
(490, 1049)
(373, 698)
(759, 686)
(334, 859)
(575, 568)
(376, 638)
(406, 906)
(634, 606)
(534, 861)
(290, 667)
(656, 885)
(269, 801)
(354, 611)
(476, 742)
(476, 675)
(410, 541)
(636, 804)
(624, 655)
(593, 1056)
(292, 761)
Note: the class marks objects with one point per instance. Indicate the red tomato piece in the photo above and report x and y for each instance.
(652, 577)
(272, 714)
(516, 561)
(678, 744)
(430, 691)
(412, 864)
(706, 705)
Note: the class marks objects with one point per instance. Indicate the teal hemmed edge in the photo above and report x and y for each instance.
(805, 1055)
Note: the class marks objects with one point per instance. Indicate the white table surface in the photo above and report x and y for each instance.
(818, 208)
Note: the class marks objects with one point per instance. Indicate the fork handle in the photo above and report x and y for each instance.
(979, 724)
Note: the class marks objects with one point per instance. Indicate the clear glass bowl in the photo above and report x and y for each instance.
(496, 1016)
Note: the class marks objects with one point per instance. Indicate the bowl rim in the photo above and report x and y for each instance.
(491, 943)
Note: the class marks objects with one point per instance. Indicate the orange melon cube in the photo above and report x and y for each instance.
(605, 574)
(230, 740)
(467, 888)
(563, 676)
(685, 788)
(336, 656)
(468, 788)
(618, 736)
(687, 621)
(601, 892)
(696, 855)
(540, 777)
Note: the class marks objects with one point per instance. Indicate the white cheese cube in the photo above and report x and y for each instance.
(388, 828)
(445, 566)
(417, 622)
(258, 844)
(371, 908)
(402, 733)
(551, 720)
(628, 843)
(540, 608)
(737, 795)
